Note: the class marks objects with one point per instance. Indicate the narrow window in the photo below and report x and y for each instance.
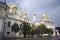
(8, 24)
(20, 25)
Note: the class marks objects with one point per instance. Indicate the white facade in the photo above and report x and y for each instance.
(6, 17)
(8, 29)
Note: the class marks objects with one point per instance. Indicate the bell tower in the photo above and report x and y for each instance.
(20, 15)
(34, 17)
(24, 15)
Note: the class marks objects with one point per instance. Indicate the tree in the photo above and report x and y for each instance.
(42, 29)
(15, 27)
(33, 30)
(26, 29)
(50, 31)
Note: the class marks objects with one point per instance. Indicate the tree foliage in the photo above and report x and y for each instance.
(26, 28)
(15, 27)
(50, 31)
(42, 29)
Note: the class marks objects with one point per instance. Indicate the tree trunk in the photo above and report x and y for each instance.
(24, 35)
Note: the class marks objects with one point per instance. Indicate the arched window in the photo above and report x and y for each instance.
(9, 24)
(21, 25)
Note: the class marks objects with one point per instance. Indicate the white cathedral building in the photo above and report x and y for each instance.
(9, 15)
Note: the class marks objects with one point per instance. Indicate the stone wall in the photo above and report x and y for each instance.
(8, 31)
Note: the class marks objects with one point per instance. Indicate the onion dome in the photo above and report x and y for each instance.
(34, 14)
(13, 7)
(25, 14)
(44, 16)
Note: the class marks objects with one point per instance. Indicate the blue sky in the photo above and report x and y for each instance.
(51, 7)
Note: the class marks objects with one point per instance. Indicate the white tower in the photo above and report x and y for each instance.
(34, 17)
(20, 15)
(24, 15)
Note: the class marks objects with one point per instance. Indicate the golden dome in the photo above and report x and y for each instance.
(25, 14)
(44, 16)
(13, 7)
(34, 14)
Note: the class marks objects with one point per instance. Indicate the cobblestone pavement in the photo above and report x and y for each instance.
(44, 38)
